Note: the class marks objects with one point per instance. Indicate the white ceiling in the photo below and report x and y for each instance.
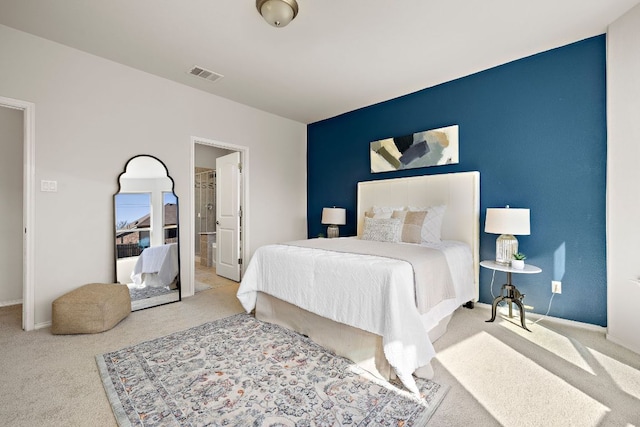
(336, 56)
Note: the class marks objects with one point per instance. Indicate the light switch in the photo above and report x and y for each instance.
(49, 186)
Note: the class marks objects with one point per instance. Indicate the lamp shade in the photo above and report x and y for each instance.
(334, 216)
(508, 220)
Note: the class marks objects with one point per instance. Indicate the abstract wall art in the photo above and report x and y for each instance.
(434, 147)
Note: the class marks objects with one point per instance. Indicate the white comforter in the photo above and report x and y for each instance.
(372, 293)
(161, 260)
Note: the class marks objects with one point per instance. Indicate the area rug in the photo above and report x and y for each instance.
(148, 292)
(239, 371)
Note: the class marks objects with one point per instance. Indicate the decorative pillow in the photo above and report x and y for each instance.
(412, 225)
(432, 226)
(371, 214)
(399, 214)
(382, 211)
(382, 229)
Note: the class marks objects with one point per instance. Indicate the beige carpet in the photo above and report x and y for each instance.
(556, 375)
(49, 380)
(499, 374)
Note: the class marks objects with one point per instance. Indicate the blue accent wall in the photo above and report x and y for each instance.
(535, 128)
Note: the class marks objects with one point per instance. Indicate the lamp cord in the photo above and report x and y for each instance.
(493, 276)
(548, 309)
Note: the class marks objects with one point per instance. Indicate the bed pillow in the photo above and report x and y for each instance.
(382, 211)
(412, 223)
(382, 229)
(432, 227)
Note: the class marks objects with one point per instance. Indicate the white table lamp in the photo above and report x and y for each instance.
(507, 222)
(334, 217)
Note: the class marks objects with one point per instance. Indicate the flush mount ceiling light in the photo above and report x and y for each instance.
(277, 12)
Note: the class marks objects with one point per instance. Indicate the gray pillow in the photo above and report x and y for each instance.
(382, 229)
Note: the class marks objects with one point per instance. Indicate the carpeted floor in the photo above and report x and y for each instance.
(240, 371)
(199, 287)
(499, 374)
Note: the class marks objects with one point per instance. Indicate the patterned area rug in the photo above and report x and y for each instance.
(239, 371)
(148, 292)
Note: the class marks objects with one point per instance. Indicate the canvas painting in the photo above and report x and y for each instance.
(434, 147)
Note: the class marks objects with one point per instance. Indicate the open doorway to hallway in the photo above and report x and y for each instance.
(11, 209)
(26, 200)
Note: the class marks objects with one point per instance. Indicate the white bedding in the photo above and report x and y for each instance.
(368, 292)
(160, 260)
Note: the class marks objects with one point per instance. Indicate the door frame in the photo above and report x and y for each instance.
(28, 208)
(189, 290)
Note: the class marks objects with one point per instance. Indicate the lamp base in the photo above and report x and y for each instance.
(333, 231)
(506, 246)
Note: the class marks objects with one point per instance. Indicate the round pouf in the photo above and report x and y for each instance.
(91, 308)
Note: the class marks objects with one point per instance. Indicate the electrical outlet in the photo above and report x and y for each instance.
(556, 286)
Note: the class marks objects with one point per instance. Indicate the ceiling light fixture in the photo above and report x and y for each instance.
(277, 12)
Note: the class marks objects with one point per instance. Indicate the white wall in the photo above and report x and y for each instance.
(11, 147)
(92, 115)
(623, 175)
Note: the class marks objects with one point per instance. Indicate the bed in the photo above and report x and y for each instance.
(156, 267)
(366, 305)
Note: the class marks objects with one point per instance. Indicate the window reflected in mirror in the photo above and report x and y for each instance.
(170, 215)
(133, 223)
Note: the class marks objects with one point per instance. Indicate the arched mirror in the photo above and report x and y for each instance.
(147, 250)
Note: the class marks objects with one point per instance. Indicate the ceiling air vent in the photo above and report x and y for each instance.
(205, 74)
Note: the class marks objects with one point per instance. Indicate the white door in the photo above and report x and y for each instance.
(228, 216)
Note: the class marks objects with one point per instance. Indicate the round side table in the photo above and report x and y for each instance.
(509, 292)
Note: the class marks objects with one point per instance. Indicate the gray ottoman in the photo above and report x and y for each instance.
(91, 308)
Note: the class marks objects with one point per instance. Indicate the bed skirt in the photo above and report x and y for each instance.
(362, 347)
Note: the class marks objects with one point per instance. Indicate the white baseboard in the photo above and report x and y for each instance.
(622, 343)
(11, 302)
(42, 325)
(559, 320)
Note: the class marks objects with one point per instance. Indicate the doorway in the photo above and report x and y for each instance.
(17, 127)
(205, 210)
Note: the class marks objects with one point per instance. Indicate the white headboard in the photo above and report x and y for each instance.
(460, 192)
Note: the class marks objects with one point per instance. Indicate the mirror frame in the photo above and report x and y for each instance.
(114, 225)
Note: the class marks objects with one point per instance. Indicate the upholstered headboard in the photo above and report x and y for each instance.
(460, 192)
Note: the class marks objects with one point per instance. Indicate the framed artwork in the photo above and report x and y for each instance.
(434, 147)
